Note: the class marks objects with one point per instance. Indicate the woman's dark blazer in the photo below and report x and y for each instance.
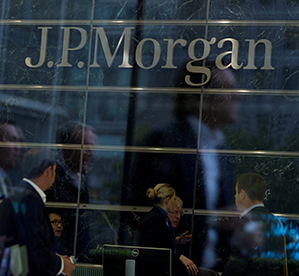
(152, 231)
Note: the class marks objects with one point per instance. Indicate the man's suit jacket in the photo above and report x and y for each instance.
(179, 170)
(64, 190)
(24, 218)
(257, 245)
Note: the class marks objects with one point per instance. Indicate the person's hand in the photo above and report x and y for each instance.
(188, 237)
(68, 266)
(190, 266)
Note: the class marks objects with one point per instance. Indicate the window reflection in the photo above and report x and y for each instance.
(195, 139)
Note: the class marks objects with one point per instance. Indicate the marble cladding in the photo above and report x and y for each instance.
(151, 10)
(102, 68)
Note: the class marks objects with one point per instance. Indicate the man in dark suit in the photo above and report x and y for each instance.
(24, 218)
(257, 245)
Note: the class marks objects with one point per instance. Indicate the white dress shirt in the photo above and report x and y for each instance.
(250, 208)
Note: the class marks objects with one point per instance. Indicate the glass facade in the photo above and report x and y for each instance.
(191, 93)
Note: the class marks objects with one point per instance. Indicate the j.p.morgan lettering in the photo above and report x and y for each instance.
(101, 40)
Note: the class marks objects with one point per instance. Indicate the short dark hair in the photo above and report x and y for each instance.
(52, 210)
(70, 131)
(36, 161)
(253, 184)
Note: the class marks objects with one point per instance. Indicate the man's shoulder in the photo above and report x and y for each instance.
(63, 188)
(62, 177)
(61, 170)
(260, 212)
(264, 216)
(24, 193)
(22, 190)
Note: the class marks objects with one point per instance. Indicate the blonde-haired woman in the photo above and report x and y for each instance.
(155, 229)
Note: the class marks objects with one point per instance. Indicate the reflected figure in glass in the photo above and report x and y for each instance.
(68, 174)
(69, 180)
(8, 155)
(203, 180)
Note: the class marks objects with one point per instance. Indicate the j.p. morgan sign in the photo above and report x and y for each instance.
(126, 41)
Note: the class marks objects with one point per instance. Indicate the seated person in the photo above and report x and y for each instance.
(57, 224)
(175, 218)
(155, 229)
